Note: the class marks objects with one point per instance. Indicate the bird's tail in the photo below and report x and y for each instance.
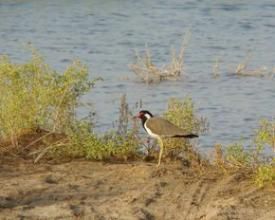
(187, 135)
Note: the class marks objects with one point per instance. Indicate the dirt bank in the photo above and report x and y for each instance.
(90, 190)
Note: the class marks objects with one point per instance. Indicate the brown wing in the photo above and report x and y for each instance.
(165, 128)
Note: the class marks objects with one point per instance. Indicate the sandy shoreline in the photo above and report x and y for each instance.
(91, 190)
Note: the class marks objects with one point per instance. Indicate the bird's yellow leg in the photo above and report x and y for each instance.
(160, 151)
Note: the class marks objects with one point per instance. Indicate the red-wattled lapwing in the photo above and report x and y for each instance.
(160, 128)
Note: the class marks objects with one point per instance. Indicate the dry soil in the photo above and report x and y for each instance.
(101, 191)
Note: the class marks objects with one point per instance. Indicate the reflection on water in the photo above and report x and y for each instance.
(105, 34)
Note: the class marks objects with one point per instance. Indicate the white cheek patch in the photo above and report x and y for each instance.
(147, 115)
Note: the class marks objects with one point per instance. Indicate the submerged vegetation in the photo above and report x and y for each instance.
(148, 72)
(243, 69)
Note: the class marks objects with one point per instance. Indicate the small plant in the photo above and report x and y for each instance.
(182, 113)
(265, 174)
(265, 135)
(125, 117)
(219, 159)
(148, 72)
(236, 156)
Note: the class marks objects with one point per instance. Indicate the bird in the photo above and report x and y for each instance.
(160, 128)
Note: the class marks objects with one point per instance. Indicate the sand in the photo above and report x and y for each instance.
(137, 190)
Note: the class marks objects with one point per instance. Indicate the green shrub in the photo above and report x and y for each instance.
(82, 142)
(255, 158)
(265, 174)
(33, 95)
(265, 135)
(182, 113)
(36, 97)
(120, 144)
(237, 156)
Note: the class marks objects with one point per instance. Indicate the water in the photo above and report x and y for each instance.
(105, 34)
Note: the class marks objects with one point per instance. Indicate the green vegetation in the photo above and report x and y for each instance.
(82, 142)
(265, 138)
(182, 113)
(120, 144)
(264, 175)
(253, 158)
(33, 95)
(265, 135)
(38, 108)
(236, 156)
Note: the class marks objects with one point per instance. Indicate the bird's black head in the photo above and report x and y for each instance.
(144, 115)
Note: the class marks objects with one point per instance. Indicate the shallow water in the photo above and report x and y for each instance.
(105, 34)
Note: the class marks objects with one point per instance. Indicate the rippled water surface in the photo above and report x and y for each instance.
(105, 34)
